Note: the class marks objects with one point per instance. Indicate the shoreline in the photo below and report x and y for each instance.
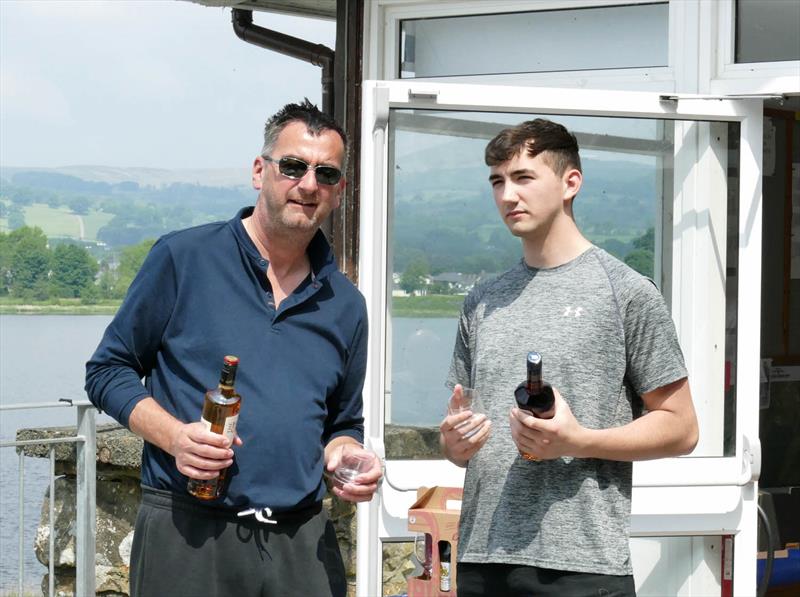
(417, 306)
(30, 309)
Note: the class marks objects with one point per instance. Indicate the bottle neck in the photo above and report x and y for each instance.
(534, 383)
(226, 390)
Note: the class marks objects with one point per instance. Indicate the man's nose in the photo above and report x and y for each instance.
(508, 193)
(308, 182)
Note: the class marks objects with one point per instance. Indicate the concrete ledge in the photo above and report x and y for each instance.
(118, 496)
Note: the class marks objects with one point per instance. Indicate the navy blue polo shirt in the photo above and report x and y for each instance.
(202, 293)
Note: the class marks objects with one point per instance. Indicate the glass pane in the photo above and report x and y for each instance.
(667, 565)
(766, 30)
(661, 565)
(599, 38)
(445, 234)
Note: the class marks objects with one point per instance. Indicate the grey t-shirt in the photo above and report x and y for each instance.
(606, 338)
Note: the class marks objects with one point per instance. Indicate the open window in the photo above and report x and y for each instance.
(672, 186)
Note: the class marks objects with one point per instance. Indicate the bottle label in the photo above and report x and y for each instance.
(228, 429)
(444, 576)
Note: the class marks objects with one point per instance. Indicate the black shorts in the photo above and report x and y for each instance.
(183, 548)
(508, 580)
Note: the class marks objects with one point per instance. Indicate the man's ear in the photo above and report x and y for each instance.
(258, 172)
(573, 179)
(340, 192)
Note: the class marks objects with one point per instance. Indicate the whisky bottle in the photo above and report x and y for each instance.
(220, 413)
(534, 395)
(444, 566)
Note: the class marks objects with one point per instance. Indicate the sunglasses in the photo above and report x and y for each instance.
(296, 168)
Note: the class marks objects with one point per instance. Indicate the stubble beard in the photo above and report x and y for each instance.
(282, 222)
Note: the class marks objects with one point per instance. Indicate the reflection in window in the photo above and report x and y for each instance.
(667, 565)
(661, 565)
(445, 235)
(607, 37)
(766, 30)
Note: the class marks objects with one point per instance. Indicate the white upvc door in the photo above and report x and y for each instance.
(698, 163)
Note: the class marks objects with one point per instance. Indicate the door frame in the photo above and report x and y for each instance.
(676, 496)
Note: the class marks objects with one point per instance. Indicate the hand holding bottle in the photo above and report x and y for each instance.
(545, 439)
(220, 414)
(534, 394)
(199, 453)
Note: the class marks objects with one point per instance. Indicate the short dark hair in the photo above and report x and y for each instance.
(558, 146)
(315, 120)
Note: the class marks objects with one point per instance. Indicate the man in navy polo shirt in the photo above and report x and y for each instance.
(263, 286)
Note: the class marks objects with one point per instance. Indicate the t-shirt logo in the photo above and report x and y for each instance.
(573, 312)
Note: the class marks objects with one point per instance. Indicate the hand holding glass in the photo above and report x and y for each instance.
(466, 400)
(354, 462)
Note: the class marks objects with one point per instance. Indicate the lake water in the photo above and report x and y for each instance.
(42, 359)
(421, 352)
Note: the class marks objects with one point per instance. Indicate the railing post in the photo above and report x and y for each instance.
(86, 510)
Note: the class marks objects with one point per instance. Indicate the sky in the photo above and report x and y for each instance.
(144, 83)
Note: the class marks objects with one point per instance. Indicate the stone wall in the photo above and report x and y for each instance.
(118, 496)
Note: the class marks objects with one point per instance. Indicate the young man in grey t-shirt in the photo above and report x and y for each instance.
(547, 501)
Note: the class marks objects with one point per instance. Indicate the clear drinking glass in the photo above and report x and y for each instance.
(354, 462)
(468, 401)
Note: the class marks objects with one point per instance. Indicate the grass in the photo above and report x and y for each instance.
(12, 306)
(53, 222)
(435, 305)
(94, 221)
(60, 221)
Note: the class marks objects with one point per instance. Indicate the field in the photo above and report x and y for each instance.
(435, 305)
(63, 306)
(60, 222)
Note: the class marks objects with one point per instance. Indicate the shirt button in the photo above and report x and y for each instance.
(262, 263)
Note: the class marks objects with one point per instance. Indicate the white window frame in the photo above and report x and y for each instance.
(746, 78)
(382, 51)
(683, 496)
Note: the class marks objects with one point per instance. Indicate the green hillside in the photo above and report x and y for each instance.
(61, 221)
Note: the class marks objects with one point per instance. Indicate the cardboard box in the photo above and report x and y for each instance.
(436, 512)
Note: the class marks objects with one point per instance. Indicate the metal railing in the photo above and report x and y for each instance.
(85, 527)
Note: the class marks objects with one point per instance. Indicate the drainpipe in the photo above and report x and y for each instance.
(316, 54)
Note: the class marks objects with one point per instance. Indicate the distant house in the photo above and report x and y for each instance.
(457, 283)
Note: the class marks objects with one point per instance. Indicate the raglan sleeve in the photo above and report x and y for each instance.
(654, 356)
(461, 362)
(129, 347)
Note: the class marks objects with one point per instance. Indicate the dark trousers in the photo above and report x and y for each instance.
(508, 580)
(183, 548)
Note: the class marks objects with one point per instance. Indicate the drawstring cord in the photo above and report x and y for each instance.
(262, 514)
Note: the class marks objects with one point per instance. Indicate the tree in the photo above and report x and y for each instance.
(5, 263)
(413, 277)
(30, 263)
(73, 270)
(642, 257)
(642, 261)
(130, 262)
(79, 205)
(16, 217)
(646, 241)
(53, 201)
